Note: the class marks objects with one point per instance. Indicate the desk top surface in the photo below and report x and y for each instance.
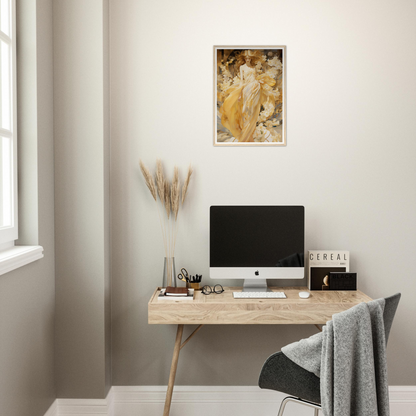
(217, 309)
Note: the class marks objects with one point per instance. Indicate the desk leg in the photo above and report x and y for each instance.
(173, 368)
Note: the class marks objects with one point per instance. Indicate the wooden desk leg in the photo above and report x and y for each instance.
(173, 368)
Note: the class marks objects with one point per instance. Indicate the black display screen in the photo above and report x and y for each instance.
(257, 236)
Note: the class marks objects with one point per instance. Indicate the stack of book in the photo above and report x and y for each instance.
(176, 293)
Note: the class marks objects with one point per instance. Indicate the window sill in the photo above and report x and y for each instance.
(18, 256)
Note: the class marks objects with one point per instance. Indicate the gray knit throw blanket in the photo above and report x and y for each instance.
(349, 356)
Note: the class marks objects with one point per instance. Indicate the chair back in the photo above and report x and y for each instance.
(390, 308)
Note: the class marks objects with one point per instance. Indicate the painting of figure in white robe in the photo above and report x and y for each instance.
(250, 96)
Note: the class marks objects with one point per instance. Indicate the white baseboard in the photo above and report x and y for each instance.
(197, 400)
(402, 400)
(83, 407)
(205, 401)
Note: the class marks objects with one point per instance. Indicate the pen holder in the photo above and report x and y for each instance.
(195, 286)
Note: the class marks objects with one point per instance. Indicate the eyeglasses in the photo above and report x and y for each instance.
(207, 290)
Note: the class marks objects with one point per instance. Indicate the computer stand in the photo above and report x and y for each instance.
(255, 285)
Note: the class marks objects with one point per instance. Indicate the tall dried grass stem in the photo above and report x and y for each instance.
(186, 183)
(175, 193)
(160, 180)
(148, 178)
(167, 197)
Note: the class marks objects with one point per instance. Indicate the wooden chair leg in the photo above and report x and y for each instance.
(173, 368)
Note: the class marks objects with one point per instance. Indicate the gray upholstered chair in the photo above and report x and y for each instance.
(281, 374)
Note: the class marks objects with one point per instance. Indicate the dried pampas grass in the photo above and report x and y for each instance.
(174, 193)
(167, 197)
(160, 180)
(148, 178)
(170, 198)
(186, 183)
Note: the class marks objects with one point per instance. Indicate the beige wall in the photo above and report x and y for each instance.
(350, 160)
(82, 198)
(27, 295)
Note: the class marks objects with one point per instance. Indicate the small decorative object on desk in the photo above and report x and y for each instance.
(176, 291)
(170, 198)
(195, 282)
(323, 262)
(342, 281)
(191, 281)
(184, 275)
(169, 294)
(217, 289)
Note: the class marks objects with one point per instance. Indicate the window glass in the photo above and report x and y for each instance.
(5, 16)
(6, 182)
(5, 86)
(8, 192)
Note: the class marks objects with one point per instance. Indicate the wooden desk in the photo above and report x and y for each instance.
(223, 309)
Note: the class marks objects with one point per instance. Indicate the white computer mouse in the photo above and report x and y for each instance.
(304, 295)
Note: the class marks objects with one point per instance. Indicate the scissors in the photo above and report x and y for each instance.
(183, 275)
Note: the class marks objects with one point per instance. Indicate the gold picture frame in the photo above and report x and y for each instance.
(250, 95)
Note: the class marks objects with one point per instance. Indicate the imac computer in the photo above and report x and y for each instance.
(256, 243)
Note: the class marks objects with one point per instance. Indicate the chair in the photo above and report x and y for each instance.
(281, 374)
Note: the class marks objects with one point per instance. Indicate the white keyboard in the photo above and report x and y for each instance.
(259, 295)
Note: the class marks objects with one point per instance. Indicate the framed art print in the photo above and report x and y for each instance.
(249, 95)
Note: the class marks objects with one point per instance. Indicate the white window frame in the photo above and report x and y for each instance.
(12, 256)
(9, 233)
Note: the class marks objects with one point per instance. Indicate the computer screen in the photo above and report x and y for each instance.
(257, 242)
